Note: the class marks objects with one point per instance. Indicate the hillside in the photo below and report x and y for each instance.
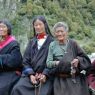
(79, 14)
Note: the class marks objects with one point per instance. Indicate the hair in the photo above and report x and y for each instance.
(61, 24)
(8, 24)
(41, 18)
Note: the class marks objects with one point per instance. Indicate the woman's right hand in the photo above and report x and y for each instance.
(75, 62)
(33, 79)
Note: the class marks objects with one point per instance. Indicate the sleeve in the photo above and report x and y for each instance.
(46, 71)
(84, 61)
(50, 61)
(26, 61)
(64, 66)
(13, 59)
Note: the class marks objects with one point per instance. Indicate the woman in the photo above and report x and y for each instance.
(68, 63)
(10, 58)
(35, 79)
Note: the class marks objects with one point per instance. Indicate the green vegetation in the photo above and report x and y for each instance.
(79, 14)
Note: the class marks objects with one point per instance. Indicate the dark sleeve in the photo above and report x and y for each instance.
(64, 66)
(13, 59)
(27, 61)
(46, 71)
(84, 61)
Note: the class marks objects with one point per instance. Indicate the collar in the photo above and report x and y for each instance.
(6, 41)
(41, 36)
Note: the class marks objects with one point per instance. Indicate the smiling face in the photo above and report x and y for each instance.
(39, 26)
(60, 34)
(3, 30)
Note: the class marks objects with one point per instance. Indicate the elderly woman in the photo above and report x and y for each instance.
(68, 63)
(35, 79)
(10, 58)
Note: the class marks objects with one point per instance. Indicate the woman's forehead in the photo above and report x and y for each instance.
(59, 29)
(2, 24)
(38, 21)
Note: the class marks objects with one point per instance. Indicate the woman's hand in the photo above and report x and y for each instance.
(38, 77)
(56, 63)
(75, 62)
(33, 79)
(42, 78)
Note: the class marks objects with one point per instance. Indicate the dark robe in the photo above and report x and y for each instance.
(66, 85)
(34, 61)
(10, 62)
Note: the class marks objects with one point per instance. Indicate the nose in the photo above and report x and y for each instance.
(1, 28)
(38, 26)
(60, 32)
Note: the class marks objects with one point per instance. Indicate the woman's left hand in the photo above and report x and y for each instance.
(75, 62)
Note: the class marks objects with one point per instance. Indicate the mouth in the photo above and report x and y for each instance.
(61, 36)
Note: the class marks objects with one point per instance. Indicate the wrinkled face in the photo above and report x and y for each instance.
(39, 26)
(60, 34)
(3, 29)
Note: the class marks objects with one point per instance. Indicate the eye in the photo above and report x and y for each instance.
(3, 26)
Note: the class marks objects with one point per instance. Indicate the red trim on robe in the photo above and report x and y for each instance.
(6, 41)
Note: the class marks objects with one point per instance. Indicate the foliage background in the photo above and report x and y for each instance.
(79, 14)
